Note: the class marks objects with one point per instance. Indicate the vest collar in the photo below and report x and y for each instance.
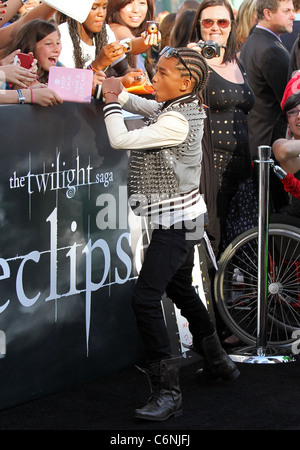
(178, 100)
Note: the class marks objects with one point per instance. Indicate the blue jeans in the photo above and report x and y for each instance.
(167, 268)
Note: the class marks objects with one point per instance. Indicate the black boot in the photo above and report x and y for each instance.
(217, 364)
(165, 400)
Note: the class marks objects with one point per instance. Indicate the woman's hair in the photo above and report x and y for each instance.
(179, 36)
(195, 36)
(27, 38)
(198, 67)
(292, 102)
(165, 29)
(113, 14)
(74, 27)
(244, 20)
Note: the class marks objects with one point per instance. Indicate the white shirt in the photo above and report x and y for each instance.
(66, 57)
(169, 130)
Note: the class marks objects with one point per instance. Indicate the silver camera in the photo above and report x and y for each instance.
(210, 49)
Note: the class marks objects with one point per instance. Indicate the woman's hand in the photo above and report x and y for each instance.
(152, 38)
(2, 11)
(194, 46)
(9, 59)
(136, 78)
(98, 78)
(34, 67)
(17, 75)
(108, 54)
(44, 96)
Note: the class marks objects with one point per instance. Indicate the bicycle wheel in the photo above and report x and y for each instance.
(236, 285)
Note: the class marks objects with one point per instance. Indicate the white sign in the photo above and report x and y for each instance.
(185, 336)
(77, 9)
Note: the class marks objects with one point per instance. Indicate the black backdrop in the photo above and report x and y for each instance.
(66, 268)
(70, 252)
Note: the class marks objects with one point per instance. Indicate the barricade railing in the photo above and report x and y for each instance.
(262, 353)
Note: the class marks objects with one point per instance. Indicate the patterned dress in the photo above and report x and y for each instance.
(229, 105)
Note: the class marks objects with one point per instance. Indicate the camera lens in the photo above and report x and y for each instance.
(209, 52)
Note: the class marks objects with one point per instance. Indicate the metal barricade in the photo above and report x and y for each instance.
(262, 353)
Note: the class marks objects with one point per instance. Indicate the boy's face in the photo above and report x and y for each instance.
(168, 82)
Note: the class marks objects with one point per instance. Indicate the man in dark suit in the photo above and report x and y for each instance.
(266, 61)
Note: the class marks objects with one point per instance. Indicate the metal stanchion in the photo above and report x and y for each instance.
(264, 154)
(261, 354)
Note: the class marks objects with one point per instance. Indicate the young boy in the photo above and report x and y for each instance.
(163, 185)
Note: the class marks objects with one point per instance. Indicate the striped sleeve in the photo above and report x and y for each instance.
(112, 108)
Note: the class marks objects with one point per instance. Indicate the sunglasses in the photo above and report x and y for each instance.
(293, 112)
(169, 52)
(222, 23)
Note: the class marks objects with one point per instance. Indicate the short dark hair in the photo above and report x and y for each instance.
(261, 5)
(292, 102)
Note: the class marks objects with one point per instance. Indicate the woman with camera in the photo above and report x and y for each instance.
(230, 99)
(133, 20)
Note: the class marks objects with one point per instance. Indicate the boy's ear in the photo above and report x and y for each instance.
(187, 84)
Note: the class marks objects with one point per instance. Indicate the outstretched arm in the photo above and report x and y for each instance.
(8, 33)
(287, 153)
(42, 96)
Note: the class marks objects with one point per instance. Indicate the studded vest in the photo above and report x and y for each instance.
(167, 173)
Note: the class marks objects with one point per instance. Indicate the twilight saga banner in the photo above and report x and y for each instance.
(70, 251)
